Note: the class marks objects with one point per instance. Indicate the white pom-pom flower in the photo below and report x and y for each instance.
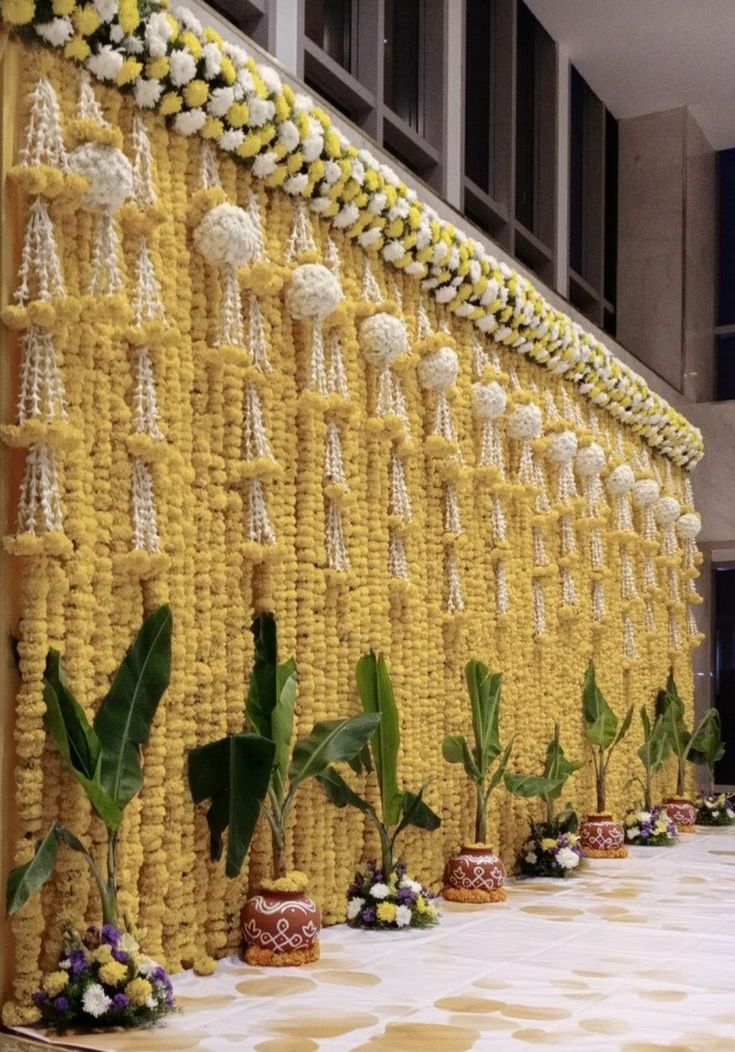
(666, 510)
(109, 173)
(312, 293)
(438, 370)
(56, 32)
(488, 401)
(383, 338)
(590, 460)
(183, 67)
(620, 480)
(688, 526)
(645, 492)
(226, 235)
(106, 62)
(562, 447)
(147, 92)
(525, 422)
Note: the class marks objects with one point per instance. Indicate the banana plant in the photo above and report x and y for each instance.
(604, 731)
(103, 757)
(257, 770)
(702, 745)
(399, 808)
(653, 753)
(484, 690)
(549, 787)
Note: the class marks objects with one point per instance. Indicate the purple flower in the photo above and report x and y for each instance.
(91, 937)
(61, 1004)
(110, 934)
(38, 997)
(368, 915)
(353, 891)
(401, 870)
(77, 963)
(121, 956)
(120, 1001)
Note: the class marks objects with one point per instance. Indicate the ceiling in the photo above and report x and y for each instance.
(641, 56)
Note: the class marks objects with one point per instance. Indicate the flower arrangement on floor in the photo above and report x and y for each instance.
(553, 848)
(398, 808)
(245, 773)
(601, 835)
(715, 810)
(105, 759)
(650, 828)
(103, 979)
(396, 902)
(477, 874)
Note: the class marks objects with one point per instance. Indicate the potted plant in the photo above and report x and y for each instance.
(384, 896)
(258, 770)
(714, 809)
(476, 874)
(687, 746)
(650, 826)
(102, 978)
(553, 848)
(601, 835)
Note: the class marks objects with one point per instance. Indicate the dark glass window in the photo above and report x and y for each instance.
(724, 589)
(611, 208)
(535, 204)
(478, 101)
(726, 367)
(726, 188)
(576, 170)
(329, 23)
(403, 44)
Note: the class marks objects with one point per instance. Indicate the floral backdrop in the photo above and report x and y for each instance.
(322, 402)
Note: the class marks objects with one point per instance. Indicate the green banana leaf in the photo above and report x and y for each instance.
(456, 750)
(123, 722)
(263, 690)
(376, 694)
(557, 767)
(234, 774)
(706, 745)
(484, 689)
(528, 785)
(678, 736)
(25, 880)
(282, 719)
(414, 812)
(502, 764)
(76, 740)
(656, 748)
(601, 722)
(330, 741)
(339, 793)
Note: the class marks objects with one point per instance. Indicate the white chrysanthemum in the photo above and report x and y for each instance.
(106, 9)
(383, 338)
(158, 32)
(353, 907)
(190, 122)
(688, 526)
(106, 62)
(183, 67)
(56, 32)
(95, 1001)
(296, 184)
(220, 101)
(525, 422)
(212, 60)
(488, 401)
(226, 235)
(645, 492)
(666, 510)
(109, 173)
(567, 858)
(633, 833)
(438, 370)
(403, 916)
(312, 293)
(380, 891)
(147, 93)
(274, 84)
(265, 164)
(643, 817)
(620, 480)
(590, 460)
(128, 943)
(288, 135)
(312, 146)
(260, 111)
(562, 447)
(413, 885)
(531, 857)
(187, 17)
(117, 33)
(230, 140)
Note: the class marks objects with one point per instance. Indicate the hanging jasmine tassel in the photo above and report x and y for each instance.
(630, 647)
(144, 190)
(209, 176)
(42, 395)
(334, 470)
(650, 620)
(317, 379)
(88, 108)
(400, 502)
(337, 556)
(258, 342)
(260, 254)
(674, 633)
(692, 628)
(599, 606)
(230, 329)
(39, 274)
(255, 444)
(443, 421)
(337, 378)
(455, 601)
(480, 360)
(145, 530)
(301, 239)
(106, 279)
(628, 588)
(145, 402)
(397, 560)
(332, 259)
(452, 519)
(502, 595)
(44, 142)
(260, 529)
(370, 289)
(423, 325)
(147, 301)
(39, 504)
(539, 609)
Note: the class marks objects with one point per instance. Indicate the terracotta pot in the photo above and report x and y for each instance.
(601, 836)
(682, 813)
(280, 928)
(474, 875)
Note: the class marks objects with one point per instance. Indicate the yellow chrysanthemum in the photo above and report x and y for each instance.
(188, 40)
(170, 103)
(55, 982)
(387, 912)
(158, 68)
(548, 843)
(77, 48)
(138, 990)
(113, 973)
(238, 114)
(212, 129)
(18, 12)
(86, 20)
(227, 70)
(129, 70)
(205, 966)
(128, 15)
(103, 954)
(196, 93)
(62, 8)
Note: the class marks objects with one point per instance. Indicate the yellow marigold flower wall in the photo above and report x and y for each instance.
(216, 578)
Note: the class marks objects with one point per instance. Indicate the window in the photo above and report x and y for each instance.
(725, 331)
(248, 15)
(329, 24)
(593, 204)
(724, 647)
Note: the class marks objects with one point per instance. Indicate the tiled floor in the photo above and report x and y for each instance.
(630, 956)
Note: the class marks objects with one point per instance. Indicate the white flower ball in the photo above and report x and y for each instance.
(688, 526)
(438, 371)
(525, 422)
(620, 480)
(312, 293)
(488, 401)
(226, 235)
(666, 510)
(109, 173)
(383, 338)
(562, 447)
(645, 492)
(590, 460)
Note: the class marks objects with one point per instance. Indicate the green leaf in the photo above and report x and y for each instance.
(376, 694)
(339, 793)
(414, 812)
(528, 785)
(566, 821)
(625, 727)
(601, 722)
(263, 690)
(25, 880)
(646, 721)
(655, 749)
(673, 720)
(556, 766)
(123, 722)
(456, 750)
(706, 745)
(484, 689)
(234, 773)
(282, 716)
(499, 771)
(331, 741)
